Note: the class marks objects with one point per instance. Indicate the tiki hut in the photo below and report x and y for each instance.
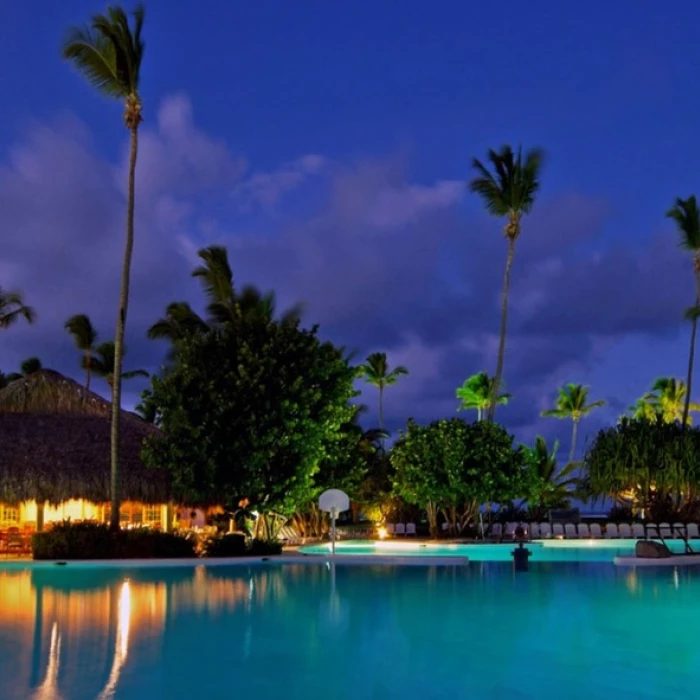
(55, 457)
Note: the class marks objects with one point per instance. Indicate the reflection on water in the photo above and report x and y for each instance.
(81, 633)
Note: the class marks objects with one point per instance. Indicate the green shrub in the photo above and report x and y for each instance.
(231, 545)
(94, 541)
(259, 548)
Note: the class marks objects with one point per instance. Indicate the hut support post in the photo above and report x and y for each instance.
(40, 508)
(169, 517)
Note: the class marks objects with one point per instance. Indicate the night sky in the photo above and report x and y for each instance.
(327, 145)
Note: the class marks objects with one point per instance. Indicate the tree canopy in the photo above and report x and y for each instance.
(249, 412)
(453, 467)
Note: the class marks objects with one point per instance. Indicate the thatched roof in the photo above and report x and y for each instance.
(54, 445)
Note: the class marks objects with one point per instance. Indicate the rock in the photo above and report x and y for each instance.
(652, 550)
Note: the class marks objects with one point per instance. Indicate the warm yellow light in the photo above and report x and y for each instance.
(381, 531)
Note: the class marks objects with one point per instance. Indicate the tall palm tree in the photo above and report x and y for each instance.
(687, 217)
(85, 337)
(12, 308)
(103, 364)
(476, 393)
(668, 399)
(109, 55)
(509, 191)
(643, 409)
(376, 371)
(571, 404)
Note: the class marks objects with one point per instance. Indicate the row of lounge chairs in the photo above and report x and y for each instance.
(400, 529)
(638, 531)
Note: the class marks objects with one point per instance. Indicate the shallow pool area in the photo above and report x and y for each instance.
(574, 630)
(541, 550)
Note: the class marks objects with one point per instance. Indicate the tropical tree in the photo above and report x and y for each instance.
(102, 363)
(376, 371)
(667, 399)
(476, 393)
(453, 467)
(687, 217)
(85, 337)
(109, 55)
(550, 487)
(643, 409)
(272, 401)
(509, 191)
(571, 405)
(13, 308)
(30, 366)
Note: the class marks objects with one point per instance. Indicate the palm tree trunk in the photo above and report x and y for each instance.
(479, 412)
(88, 370)
(119, 336)
(502, 339)
(691, 354)
(381, 408)
(574, 434)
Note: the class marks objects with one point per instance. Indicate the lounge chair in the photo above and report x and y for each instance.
(534, 531)
(652, 532)
(638, 531)
(570, 531)
(509, 532)
(625, 531)
(665, 531)
(400, 529)
(596, 532)
(411, 529)
(611, 531)
(693, 531)
(583, 531)
(679, 531)
(545, 530)
(390, 529)
(557, 530)
(496, 531)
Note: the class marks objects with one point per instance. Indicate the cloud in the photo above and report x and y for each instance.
(383, 262)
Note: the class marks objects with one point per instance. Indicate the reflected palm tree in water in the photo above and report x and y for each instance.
(48, 690)
(121, 650)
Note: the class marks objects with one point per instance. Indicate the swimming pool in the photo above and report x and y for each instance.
(562, 630)
(541, 551)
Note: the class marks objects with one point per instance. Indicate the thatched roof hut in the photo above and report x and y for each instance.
(55, 440)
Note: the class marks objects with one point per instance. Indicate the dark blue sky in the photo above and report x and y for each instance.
(327, 145)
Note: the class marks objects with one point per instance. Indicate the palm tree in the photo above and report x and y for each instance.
(224, 304)
(643, 409)
(476, 393)
(85, 336)
(12, 308)
(668, 399)
(103, 364)
(571, 404)
(551, 487)
(109, 55)
(687, 217)
(507, 192)
(376, 371)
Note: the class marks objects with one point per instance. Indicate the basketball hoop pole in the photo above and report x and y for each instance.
(334, 515)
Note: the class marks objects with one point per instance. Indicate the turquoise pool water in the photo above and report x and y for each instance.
(573, 631)
(541, 551)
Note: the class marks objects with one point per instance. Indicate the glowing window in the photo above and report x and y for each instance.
(151, 514)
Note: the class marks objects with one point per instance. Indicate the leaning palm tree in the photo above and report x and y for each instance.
(668, 398)
(376, 371)
(103, 364)
(13, 308)
(85, 337)
(571, 404)
(476, 393)
(109, 55)
(225, 305)
(509, 191)
(687, 217)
